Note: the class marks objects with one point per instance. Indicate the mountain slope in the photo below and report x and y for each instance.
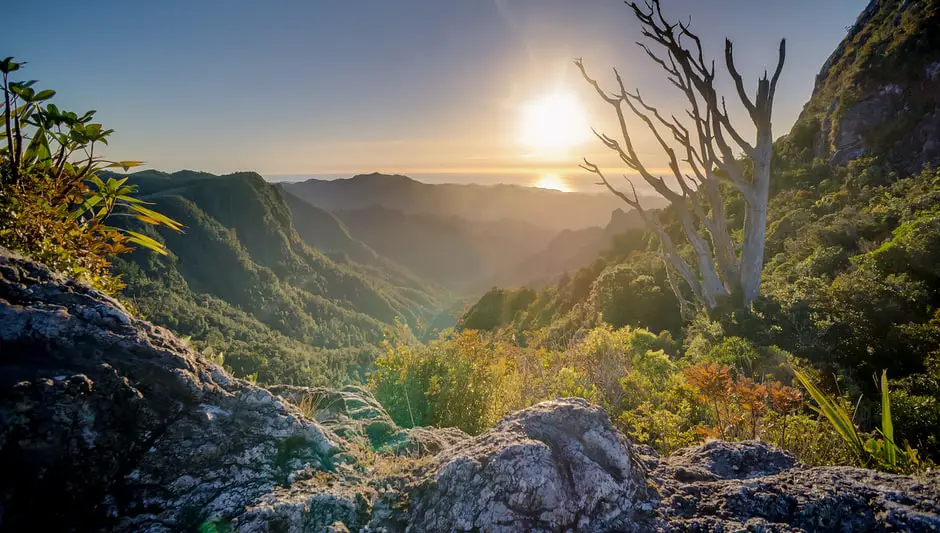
(242, 279)
(325, 232)
(568, 251)
(540, 207)
(879, 92)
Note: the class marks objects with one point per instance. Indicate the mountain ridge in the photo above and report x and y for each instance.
(242, 281)
(551, 209)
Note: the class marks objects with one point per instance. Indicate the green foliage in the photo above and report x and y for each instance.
(53, 205)
(883, 452)
(454, 381)
(497, 308)
(242, 282)
(636, 294)
(836, 414)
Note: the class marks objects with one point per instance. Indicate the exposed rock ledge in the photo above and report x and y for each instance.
(110, 423)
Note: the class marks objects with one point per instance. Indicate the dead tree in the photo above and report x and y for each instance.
(707, 143)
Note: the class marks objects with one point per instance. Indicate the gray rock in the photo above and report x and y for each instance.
(753, 487)
(716, 460)
(557, 466)
(108, 423)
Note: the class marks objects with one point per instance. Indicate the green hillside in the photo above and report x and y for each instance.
(242, 281)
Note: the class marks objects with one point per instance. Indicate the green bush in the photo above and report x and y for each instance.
(53, 205)
(454, 381)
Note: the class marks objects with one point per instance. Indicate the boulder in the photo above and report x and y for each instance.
(108, 422)
(717, 460)
(724, 486)
(557, 466)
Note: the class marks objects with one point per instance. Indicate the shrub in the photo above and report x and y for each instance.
(454, 381)
(54, 206)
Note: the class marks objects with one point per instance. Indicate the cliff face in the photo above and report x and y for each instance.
(879, 92)
(108, 423)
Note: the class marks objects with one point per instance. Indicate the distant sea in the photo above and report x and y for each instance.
(574, 183)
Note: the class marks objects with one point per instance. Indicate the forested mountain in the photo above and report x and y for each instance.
(243, 281)
(543, 208)
(851, 282)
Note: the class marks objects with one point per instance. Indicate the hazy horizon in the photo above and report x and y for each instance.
(582, 184)
(481, 91)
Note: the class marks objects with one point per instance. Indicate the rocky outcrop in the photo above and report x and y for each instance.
(879, 92)
(108, 423)
(751, 486)
(557, 466)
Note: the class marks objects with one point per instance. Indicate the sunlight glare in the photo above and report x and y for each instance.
(553, 181)
(554, 123)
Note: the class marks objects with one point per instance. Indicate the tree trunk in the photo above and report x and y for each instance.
(755, 221)
(712, 288)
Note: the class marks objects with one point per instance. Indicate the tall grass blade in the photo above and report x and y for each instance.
(837, 415)
(887, 428)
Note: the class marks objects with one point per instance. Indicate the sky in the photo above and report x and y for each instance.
(436, 89)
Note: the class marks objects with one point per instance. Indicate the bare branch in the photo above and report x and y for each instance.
(738, 139)
(709, 155)
(609, 99)
(634, 203)
(738, 82)
(780, 60)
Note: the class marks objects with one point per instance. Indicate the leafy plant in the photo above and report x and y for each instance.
(54, 206)
(880, 452)
(836, 414)
(114, 198)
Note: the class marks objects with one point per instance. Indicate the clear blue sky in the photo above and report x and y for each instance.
(340, 87)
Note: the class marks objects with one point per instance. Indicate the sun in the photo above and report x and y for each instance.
(553, 181)
(554, 123)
